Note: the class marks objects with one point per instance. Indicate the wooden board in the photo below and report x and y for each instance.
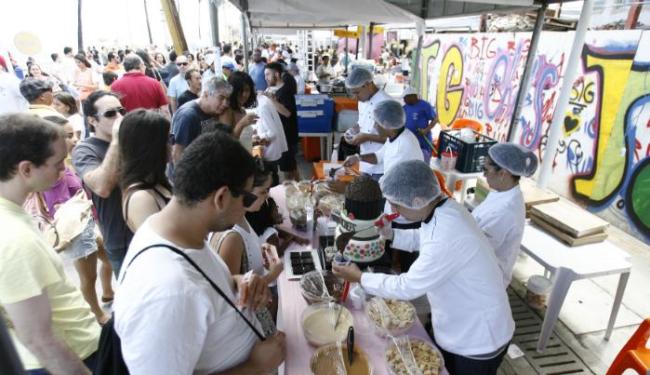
(534, 195)
(564, 237)
(569, 218)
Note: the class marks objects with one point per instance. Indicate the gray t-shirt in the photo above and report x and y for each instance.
(87, 156)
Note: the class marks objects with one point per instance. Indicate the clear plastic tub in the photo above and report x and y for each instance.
(427, 357)
(318, 323)
(393, 317)
(311, 287)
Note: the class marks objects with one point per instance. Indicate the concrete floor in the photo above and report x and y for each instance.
(585, 312)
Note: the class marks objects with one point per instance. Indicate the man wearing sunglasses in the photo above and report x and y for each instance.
(163, 297)
(178, 84)
(136, 90)
(96, 161)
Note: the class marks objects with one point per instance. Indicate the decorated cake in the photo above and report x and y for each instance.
(364, 204)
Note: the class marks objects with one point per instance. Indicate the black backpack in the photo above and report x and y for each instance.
(109, 353)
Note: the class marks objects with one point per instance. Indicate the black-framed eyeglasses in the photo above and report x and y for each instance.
(182, 64)
(111, 113)
(248, 197)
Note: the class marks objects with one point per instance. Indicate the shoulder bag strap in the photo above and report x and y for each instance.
(214, 286)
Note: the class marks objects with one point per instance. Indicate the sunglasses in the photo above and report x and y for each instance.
(248, 197)
(182, 64)
(111, 113)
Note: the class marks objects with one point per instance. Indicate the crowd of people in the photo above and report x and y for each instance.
(156, 172)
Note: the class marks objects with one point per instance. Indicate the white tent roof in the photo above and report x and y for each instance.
(319, 13)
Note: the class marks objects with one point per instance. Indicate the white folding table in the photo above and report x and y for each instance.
(454, 175)
(325, 143)
(568, 264)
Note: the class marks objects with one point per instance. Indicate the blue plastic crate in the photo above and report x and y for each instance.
(305, 104)
(315, 124)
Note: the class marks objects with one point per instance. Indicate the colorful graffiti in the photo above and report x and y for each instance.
(603, 157)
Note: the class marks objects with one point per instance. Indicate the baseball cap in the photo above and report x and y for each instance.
(32, 88)
(409, 91)
(228, 65)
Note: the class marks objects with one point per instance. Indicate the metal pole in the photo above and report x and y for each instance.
(214, 21)
(563, 101)
(420, 28)
(244, 36)
(347, 57)
(372, 26)
(525, 80)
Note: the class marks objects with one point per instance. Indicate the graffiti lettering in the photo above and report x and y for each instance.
(450, 89)
(601, 183)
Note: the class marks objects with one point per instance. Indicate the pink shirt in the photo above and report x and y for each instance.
(62, 191)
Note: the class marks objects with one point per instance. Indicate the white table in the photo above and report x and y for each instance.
(568, 264)
(455, 175)
(325, 143)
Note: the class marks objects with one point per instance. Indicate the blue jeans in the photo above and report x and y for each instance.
(89, 362)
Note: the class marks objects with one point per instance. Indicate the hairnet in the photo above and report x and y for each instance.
(389, 114)
(357, 78)
(410, 184)
(514, 158)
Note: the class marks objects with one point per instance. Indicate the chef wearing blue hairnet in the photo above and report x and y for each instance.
(503, 213)
(456, 270)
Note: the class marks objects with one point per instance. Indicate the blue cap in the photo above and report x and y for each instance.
(228, 65)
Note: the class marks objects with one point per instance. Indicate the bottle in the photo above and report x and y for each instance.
(335, 154)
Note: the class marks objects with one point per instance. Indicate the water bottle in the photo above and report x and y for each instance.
(335, 154)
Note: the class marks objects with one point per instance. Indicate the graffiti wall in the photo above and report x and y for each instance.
(603, 156)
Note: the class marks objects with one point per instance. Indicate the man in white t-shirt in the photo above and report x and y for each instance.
(360, 84)
(169, 318)
(178, 84)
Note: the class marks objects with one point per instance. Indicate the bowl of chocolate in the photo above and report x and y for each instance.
(311, 287)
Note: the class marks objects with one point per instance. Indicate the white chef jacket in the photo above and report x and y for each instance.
(403, 148)
(502, 217)
(458, 272)
(367, 125)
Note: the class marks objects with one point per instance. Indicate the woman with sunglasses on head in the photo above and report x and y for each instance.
(241, 248)
(144, 152)
(242, 97)
(85, 80)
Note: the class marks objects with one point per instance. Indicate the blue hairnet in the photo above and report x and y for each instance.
(357, 78)
(389, 114)
(514, 158)
(410, 184)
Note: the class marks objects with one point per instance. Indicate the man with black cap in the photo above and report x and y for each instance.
(39, 95)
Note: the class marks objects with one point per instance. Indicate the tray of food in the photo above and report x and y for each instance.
(417, 353)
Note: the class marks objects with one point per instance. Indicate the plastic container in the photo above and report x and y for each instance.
(471, 156)
(448, 159)
(425, 355)
(318, 323)
(311, 287)
(346, 119)
(537, 290)
(401, 319)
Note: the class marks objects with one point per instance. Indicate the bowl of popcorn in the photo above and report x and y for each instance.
(415, 351)
(390, 316)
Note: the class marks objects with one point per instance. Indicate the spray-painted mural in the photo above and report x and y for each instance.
(603, 157)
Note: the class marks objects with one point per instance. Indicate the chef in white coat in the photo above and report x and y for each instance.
(401, 144)
(456, 269)
(502, 215)
(360, 84)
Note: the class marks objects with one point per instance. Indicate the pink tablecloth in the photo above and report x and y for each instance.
(292, 304)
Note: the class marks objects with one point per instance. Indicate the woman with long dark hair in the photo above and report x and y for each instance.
(150, 70)
(144, 152)
(242, 97)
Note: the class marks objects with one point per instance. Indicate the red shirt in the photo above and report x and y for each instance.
(136, 90)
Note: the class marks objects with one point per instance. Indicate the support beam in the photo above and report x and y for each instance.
(214, 22)
(174, 25)
(562, 104)
(633, 16)
(370, 32)
(530, 61)
(244, 35)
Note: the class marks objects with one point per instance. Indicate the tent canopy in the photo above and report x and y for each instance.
(321, 14)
